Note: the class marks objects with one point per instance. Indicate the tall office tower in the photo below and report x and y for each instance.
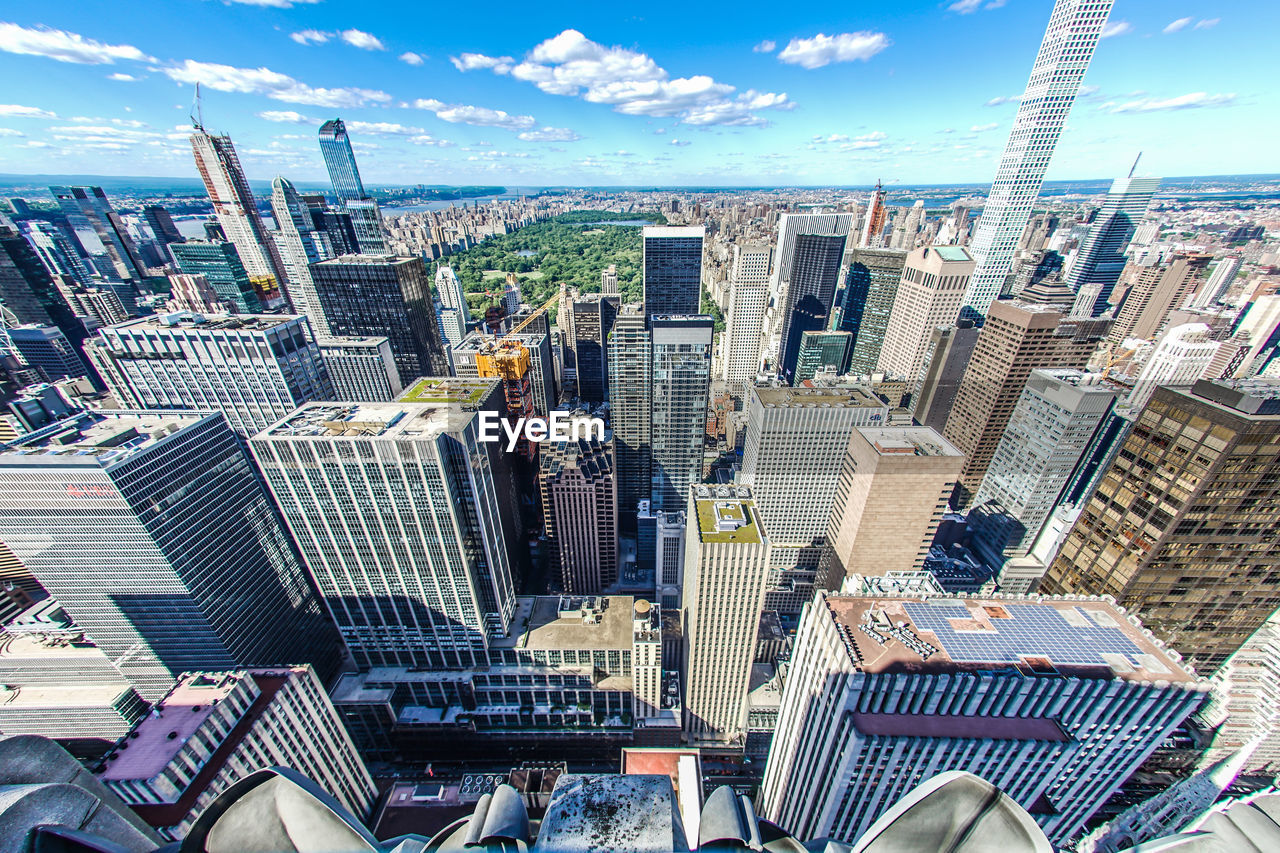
(340, 160)
(946, 358)
(1051, 429)
(48, 349)
(300, 246)
(593, 316)
(453, 329)
(1017, 338)
(905, 237)
(1181, 525)
(579, 492)
(681, 382)
(362, 370)
(337, 225)
(152, 530)
(511, 295)
(744, 319)
(57, 253)
(929, 295)
(1244, 707)
(478, 346)
(371, 295)
(630, 397)
(870, 288)
(1055, 701)
(162, 225)
(812, 277)
(1182, 356)
(194, 293)
(672, 267)
(233, 724)
(254, 369)
(809, 292)
(726, 566)
(873, 221)
(221, 266)
(1259, 328)
(609, 280)
(1224, 272)
(27, 289)
(449, 291)
(1100, 259)
(660, 548)
(891, 495)
(98, 305)
(92, 204)
(1154, 292)
(433, 583)
(1069, 41)
(821, 352)
(234, 204)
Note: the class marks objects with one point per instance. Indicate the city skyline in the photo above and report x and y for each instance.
(595, 99)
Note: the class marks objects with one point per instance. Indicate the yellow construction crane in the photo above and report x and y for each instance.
(507, 357)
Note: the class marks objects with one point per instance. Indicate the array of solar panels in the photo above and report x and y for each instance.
(1033, 630)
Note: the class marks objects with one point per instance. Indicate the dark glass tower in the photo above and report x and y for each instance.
(815, 271)
(672, 270)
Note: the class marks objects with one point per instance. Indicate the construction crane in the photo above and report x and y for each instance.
(1113, 358)
(507, 358)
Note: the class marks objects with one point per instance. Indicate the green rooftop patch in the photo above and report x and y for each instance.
(727, 521)
(463, 392)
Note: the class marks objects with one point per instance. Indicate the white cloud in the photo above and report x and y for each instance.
(64, 46)
(426, 139)
(362, 40)
(680, 142)
(824, 49)
(766, 46)
(572, 65)
(1003, 99)
(835, 137)
(1180, 24)
(980, 128)
(18, 111)
(274, 4)
(479, 116)
(384, 128)
(478, 62)
(123, 78)
(290, 116)
(550, 134)
(411, 58)
(1115, 28)
(1190, 101)
(8, 131)
(264, 81)
(874, 136)
(658, 131)
(1206, 23)
(310, 36)
(964, 7)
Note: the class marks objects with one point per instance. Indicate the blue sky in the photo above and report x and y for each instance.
(746, 93)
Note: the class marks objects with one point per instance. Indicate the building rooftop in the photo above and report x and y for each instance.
(634, 813)
(842, 396)
(448, 389)
(364, 261)
(727, 514)
(570, 622)
(674, 231)
(952, 253)
(209, 322)
(99, 437)
(1036, 636)
(1252, 397)
(350, 341)
(908, 441)
(411, 421)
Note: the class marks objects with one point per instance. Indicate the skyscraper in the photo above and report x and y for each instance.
(826, 352)
(580, 512)
(630, 394)
(340, 160)
(870, 289)
(725, 569)
(929, 295)
(300, 245)
(813, 278)
(161, 224)
(889, 499)
(27, 289)
(364, 295)
(681, 381)
(1016, 338)
(672, 265)
(362, 370)
(449, 291)
(92, 204)
(593, 316)
(946, 358)
(153, 531)
(1100, 259)
(541, 372)
(60, 257)
(1065, 52)
(221, 267)
(47, 348)
(1155, 291)
(1181, 527)
(1055, 701)
(432, 583)
(873, 222)
(234, 204)
(1182, 356)
(254, 369)
(1224, 272)
(808, 293)
(744, 318)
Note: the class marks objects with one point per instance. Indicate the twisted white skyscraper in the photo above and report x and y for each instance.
(1069, 42)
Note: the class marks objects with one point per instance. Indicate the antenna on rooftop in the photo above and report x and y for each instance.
(197, 120)
(1135, 164)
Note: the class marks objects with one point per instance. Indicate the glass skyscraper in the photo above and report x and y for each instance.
(672, 269)
(1101, 259)
(340, 160)
(681, 379)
